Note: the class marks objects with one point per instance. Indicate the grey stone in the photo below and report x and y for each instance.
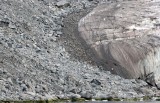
(87, 94)
(63, 3)
(146, 91)
(4, 23)
(24, 87)
(26, 96)
(19, 46)
(59, 33)
(74, 96)
(95, 81)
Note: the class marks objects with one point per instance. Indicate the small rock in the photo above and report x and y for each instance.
(93, 100)
(44, 87)
(54, 39)
(100, 95)
(95, 81)
(62, 3)
(50, 34)
(158, 85)
(4, 23)
(10, 45)
(24, 87)
(59, 33)
(87, 94)
(38, 51)
(12, 26)
(18, 46)
(146, 91)
(10, 80)
(31, 93)
(62, 96)
(47, 96)
(74, 96)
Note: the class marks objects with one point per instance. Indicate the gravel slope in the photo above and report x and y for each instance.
(38, 59)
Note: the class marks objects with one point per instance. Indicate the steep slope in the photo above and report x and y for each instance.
(34, 63)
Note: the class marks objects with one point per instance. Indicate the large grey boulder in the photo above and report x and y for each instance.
(124, 37)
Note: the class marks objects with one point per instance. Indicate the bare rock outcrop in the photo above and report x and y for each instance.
(125, 38)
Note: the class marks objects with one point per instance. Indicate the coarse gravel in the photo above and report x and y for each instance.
(41, 57)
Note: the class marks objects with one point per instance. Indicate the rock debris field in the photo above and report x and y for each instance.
(41, 58)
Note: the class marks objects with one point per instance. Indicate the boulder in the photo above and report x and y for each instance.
(125, 38)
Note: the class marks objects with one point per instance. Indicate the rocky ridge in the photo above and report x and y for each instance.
(124, 36)
(34, 63)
